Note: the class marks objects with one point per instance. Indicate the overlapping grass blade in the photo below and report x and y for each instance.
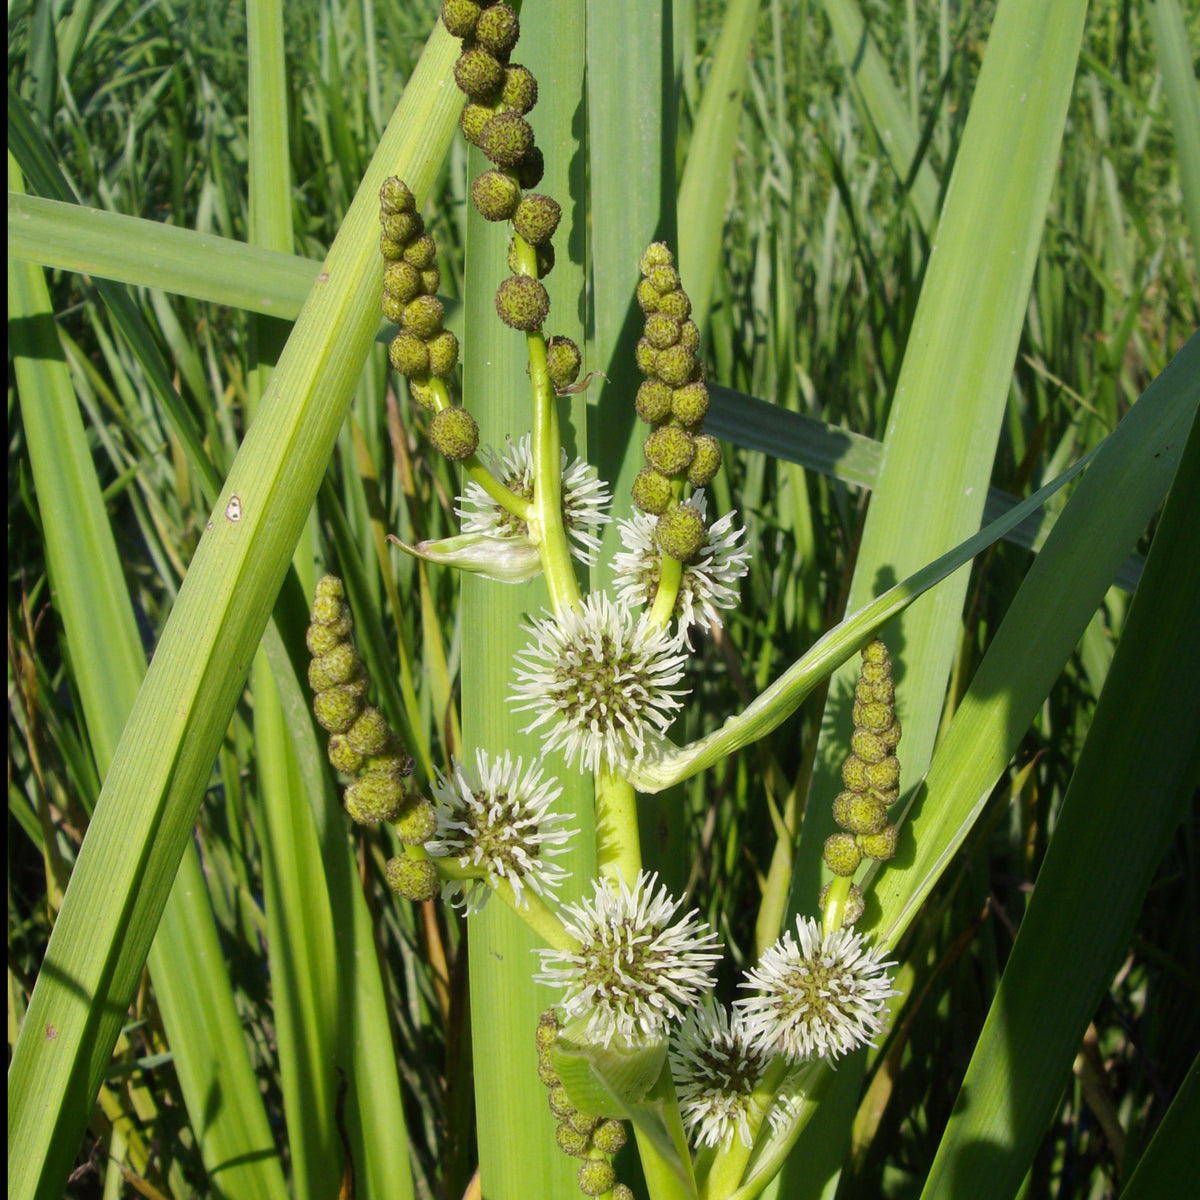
(1134, 778)
(186, 962)
(148, 805)
(518, 1155)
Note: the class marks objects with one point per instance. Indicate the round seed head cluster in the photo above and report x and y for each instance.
(639, 968)
(496, 820)
(709, 582)
(818, 997)
(600, 683)
(716, 1070)
(585, 500)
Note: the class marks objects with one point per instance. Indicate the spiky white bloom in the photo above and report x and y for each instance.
(635, 972)
(819, 997)
(585, 499)
(497, 820)
(600, 683)
(716, 1070)
(708, 583)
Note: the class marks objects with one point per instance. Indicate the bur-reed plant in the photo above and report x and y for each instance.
(563, 719)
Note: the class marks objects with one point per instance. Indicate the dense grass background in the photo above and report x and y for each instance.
(823, 253)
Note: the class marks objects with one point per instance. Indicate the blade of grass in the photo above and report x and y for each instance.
(186, 963)
(1134, 778)
(146, 810)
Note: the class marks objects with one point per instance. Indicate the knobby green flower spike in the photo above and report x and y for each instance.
(363, 745)
(871, 779)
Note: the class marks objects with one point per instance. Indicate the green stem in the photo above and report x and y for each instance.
(667, 1167)
(730, 1164)
(520, 508)
(618, 845)
(670, 575)
(534, 911)
(835, 904)
(546, 520)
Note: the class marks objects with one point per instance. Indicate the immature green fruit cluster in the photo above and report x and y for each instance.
(361, 743)
(871, 774)
(422, 349)
(578, 1135)
(674, 400)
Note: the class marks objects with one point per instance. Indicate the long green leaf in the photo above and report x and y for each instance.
(146, 810)
(192, 986)
(1135, 776)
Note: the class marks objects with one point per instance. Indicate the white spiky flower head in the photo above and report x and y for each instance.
(498, 821)
(585, 499)
(600, 682)
(638, 968)
(709, 580)
(716, 1070)
(819, 996)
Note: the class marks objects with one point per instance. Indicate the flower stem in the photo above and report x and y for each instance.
(534, 911)
(835, 904)
(670, 574)
(730, 1163)
(618, 845)
(545, 517)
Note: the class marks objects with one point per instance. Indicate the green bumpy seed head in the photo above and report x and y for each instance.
(337, 708)
(474, 118)
(544, 254)
(646, 357)
(842, 854)
(408, 354)
(412, 878)
(596, 1177)
(416, 824)
(546, 1072)
(622, 1191)
(669, 449)
(859, 814)
(680, 532)
(498, 29)
(531, 169)
(478, 74)
(443, 353)
(689, 333)
(651, 491)
(373, 797)
(343, 758)
(884, 776)
(537, 218)
(330, 590)
(663, 279)
(370, 733)
(507, 140)
(421, 392)
(394, 196)
(421, 253)
(547, 1029)
(675, 304)
(339, 665)
(648, 299)
(391, 251)
(657, 254)
(871, 747)
(332, 615)
(459, 17)
(495, 195)
(852, 909)
(873, 715)
(676, 365)
(522, 303)
(582, 1123)
(707, 462)
(689, 404)
(423, 317)
(393, 308)
(560, 1102)
(520, 91)
(431, 281)
(563, 362)
(653, 401)
(571, 1142)
(402, 227)
(320, 639)
(854, 774)
(880, 846)
(402, 280)
(609, 1136)
(661, 330)
(454, 433)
